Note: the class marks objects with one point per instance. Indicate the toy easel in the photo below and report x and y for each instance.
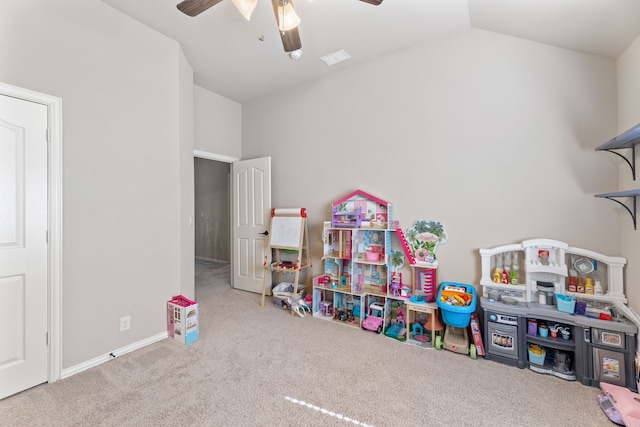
(288, 233)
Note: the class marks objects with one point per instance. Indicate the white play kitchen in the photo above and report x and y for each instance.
(558, 310)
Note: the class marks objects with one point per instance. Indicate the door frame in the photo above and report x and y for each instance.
(54, 220)
(225, 159)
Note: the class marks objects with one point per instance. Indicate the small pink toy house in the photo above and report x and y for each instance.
(360, 209)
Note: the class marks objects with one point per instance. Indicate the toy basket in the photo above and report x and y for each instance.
(284, 290)
(566, 304)
(537, 359)
(457, 316)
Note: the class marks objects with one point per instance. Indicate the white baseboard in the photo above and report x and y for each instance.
(105, 358)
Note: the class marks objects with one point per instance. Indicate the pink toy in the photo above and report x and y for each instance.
(373, 321)
(324, 280)
(396, 284)
(625, 404)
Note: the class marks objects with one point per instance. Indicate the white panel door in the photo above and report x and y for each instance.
(251, 212)
(23, 245)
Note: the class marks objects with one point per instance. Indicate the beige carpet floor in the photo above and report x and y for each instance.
(263, 367)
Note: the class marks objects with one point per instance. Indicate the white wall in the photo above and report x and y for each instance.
(186, 178)
(218, 124)
(629, 116)
(121, 86)
(492, 135)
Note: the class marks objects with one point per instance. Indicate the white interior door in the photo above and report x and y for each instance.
(23, 245)
(251, 213)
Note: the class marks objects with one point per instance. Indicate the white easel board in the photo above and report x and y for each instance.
(286, 231)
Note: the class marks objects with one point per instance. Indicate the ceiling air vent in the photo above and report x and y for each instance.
(335, 57)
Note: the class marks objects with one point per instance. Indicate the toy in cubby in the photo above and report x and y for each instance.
(375, 313)
(336, 273)
(344, 308)
(326, 308)
(396, 284)
(537, 354)
(423, 326)
(322, 302)
(425, 283)
(398, 288)
(341, 218)
(370, 278)
(395, 322)
(418, 331)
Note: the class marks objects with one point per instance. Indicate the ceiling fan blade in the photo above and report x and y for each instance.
(291, 38)
(196, 7)
(373, 2)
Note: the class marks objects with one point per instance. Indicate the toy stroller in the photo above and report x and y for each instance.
(456, 301)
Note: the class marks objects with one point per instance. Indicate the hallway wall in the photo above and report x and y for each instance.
(212, 210)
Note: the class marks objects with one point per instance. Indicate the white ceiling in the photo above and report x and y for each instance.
(229, 59)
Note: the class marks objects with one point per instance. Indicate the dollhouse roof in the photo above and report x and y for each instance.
(359, 194)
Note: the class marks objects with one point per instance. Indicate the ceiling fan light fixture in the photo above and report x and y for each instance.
(289, 19)
(296, 54)
(246, 7)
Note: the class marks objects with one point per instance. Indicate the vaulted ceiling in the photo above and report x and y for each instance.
(242, 60)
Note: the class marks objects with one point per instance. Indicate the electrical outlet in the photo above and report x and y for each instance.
(125, 323)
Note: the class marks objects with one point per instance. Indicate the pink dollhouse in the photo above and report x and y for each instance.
(360, 209)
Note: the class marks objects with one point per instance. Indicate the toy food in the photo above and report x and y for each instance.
(455, 295)
(456, 298)
(536, 349)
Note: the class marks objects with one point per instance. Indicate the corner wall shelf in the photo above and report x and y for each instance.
(629, 193)
(627, 139)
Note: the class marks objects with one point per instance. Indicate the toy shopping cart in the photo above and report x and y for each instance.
(456, 301)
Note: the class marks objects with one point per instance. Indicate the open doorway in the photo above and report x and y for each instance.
(212, 222)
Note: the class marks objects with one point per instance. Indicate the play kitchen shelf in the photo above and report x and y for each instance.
(555, 281)
(625, 141)
(558, 344)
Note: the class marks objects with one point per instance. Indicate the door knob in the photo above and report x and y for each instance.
(266, 233)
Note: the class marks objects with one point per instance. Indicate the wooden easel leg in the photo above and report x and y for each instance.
(264, 289)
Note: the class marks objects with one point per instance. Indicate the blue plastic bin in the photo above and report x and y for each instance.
(537, 359)
(566, 304)
(453, 315)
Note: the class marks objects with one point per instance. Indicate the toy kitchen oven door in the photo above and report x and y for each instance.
(610, 357)
(501, 338)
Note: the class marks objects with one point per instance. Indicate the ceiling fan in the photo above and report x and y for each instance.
(286, 17)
